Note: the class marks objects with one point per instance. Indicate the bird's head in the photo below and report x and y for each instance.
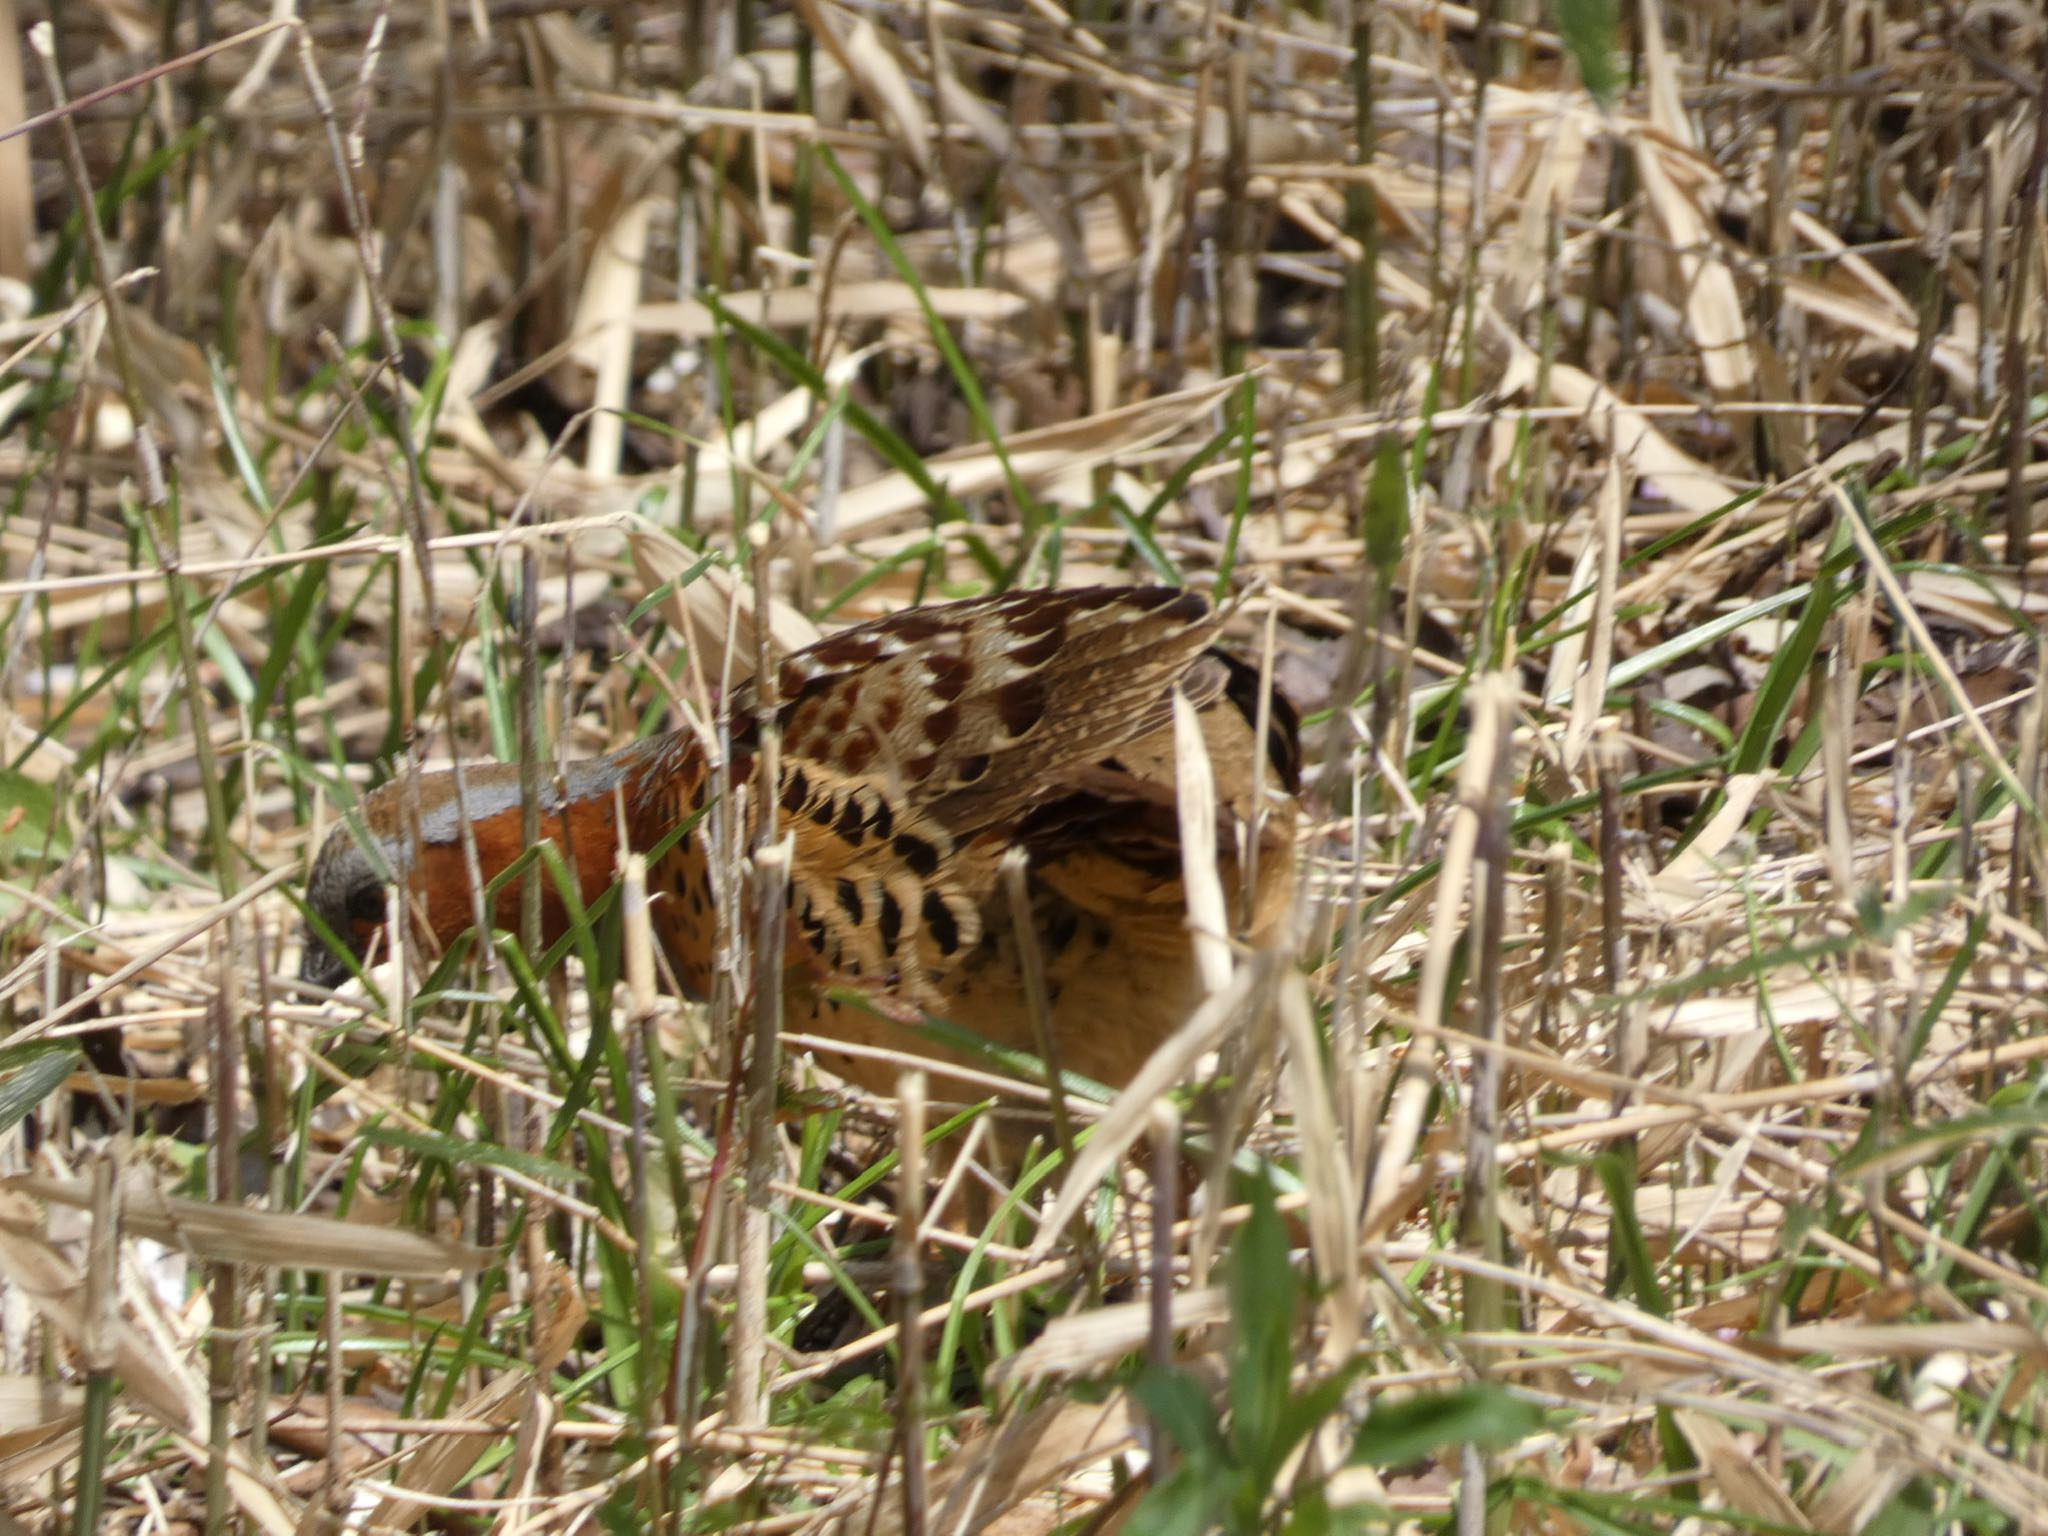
(348, 892)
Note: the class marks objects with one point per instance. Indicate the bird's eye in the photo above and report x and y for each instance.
(366, 904)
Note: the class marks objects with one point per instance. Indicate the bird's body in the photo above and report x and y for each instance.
(916, 752)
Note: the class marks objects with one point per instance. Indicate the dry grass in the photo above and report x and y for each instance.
(1638, 498)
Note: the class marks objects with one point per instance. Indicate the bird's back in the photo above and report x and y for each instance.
(919, 750)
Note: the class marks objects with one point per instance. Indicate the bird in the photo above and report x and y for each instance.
(916, 751)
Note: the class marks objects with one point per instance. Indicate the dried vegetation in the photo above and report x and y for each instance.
(1633, 484)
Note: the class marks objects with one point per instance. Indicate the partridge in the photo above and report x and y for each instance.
(916, 751)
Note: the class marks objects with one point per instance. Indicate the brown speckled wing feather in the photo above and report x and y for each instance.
(961, 710)
(913, 745)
